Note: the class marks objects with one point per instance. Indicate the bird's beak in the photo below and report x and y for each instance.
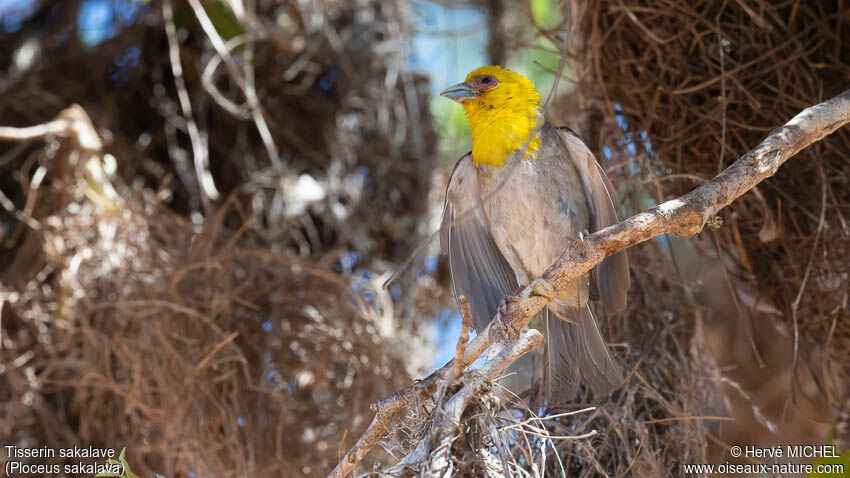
(459, 92)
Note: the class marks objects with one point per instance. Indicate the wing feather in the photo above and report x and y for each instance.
(612, 275)
(478, 269)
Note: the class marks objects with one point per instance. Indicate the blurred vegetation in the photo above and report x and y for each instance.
(206, 287)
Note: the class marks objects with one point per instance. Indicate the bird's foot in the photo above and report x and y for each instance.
(504, 317)
(537, 288)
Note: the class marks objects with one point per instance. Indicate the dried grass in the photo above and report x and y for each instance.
(202, 352)
(672, 92)
(698, 84)
(214, 337)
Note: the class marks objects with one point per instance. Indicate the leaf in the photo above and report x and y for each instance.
(125, 467)
(224, 20)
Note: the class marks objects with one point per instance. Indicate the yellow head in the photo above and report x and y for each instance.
(502, 108)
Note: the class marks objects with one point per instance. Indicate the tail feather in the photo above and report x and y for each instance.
(577, 354)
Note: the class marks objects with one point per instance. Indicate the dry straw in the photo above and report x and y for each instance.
(697, 84)
(211, 337)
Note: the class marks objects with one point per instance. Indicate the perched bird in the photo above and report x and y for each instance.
(513, 204)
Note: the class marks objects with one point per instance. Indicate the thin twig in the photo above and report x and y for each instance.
(796, 304)
(199, 146)
(245, 80)
(721, 43)
(31, 133)
(466, 321)
(72, 122)
(589, 434)
(548, 417)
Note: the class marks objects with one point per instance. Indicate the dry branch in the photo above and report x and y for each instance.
(684, 216)
(466, 321)
(445, 430)
(72, 122)
(387, 407)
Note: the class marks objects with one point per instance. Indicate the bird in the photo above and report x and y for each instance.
(513, 204)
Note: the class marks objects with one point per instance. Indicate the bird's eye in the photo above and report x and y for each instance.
(488, 81)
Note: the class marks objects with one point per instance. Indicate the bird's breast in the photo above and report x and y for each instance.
(535, 207)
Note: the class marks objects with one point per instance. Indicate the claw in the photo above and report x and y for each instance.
(502, 313)
(537, 288)
(505, 320)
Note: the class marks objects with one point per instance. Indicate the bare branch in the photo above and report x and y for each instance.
(55, 127)
(446, 428)
(72, 123)
(466, 321)
(685, 217)
(387, 407)
(438, 443)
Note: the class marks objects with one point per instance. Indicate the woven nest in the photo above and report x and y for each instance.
(678, 90)
(201, 353)
(245, 335)
(334, 92)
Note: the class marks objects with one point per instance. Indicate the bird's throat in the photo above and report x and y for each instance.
(496, 135)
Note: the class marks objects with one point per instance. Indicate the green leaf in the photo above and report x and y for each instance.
(224, 20)
(546, 13)
(125, 467)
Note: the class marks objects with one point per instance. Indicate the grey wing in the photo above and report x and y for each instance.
(612, 275)
(478, 269)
